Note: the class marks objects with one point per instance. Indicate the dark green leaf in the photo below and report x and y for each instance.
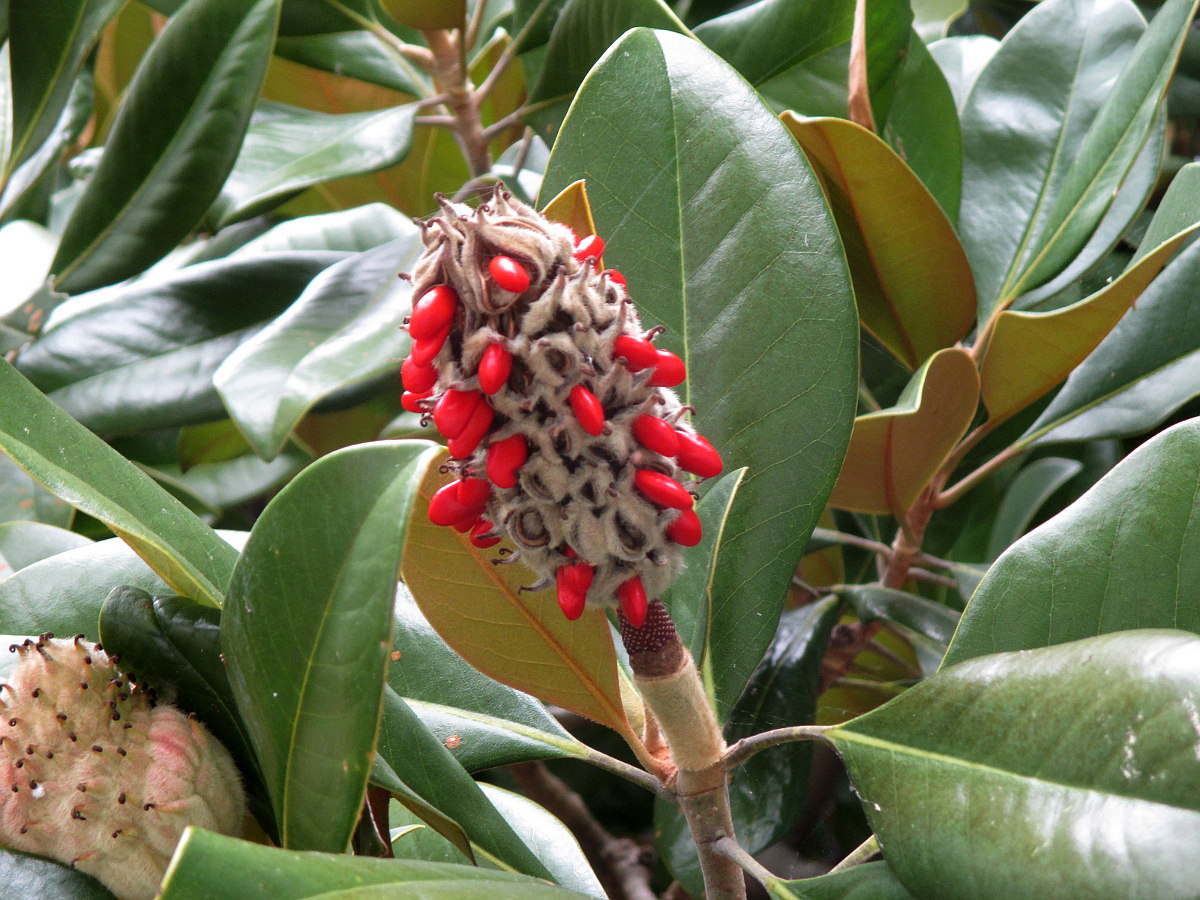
(306, 629)
(868, 881)
(1065, 771)
(87, 473)
(355, 54)
(31, 876)
(732, 248)
(1125, 555)
(918, 614)
(288, 149)
(1032, 487)
(172, 144)
(344, 329)
(24, 543)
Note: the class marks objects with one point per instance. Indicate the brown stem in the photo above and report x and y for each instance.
(618, 862)
(451, 78)
(666, 677)
(860, 96)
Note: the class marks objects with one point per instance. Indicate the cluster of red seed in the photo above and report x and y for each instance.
(474, 366)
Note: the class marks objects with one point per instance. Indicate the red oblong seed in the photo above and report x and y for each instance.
(669, 370)
(698, 456)
(482, 527)
(616, 277)
(464, 444)
(494, 368)
(424, 351)
(412, 401)
(587, 409)
(509, 274)
(444, 508)
(504, 458)
(662, 490)
(474, 491)
(686, 530)
(657, 435)
(433, 312)
(572, 583)
(590, 247)
(632, 597)
(418, 379)
(639, 353)
(453, 411)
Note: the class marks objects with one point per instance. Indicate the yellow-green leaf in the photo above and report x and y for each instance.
(572, 209)
(912, 281)
(894, 452)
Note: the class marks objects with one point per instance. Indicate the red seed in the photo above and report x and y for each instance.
(424, 351)
(590, 247)
(445, 509)
(573, 582)
(463, 445)
(509, 274)
(686, 530)
(494, 367)
(465, 524)
(616, 277)
(418, 379)
(655, 434)
(587, 409)
(412, 402)
(482, 527)
(453, 411)
(669, 370)
(433, 312)
(474, 491)
(698, 456)
(632, 597)
(639, 353)
(662, 490)
(504, 458)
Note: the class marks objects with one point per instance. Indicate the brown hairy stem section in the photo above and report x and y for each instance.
(670, 685)
(450, 75)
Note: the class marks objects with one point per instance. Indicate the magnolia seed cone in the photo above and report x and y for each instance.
(96, 775)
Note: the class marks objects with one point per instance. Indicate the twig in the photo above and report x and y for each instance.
(859, 90)
(509, 53)
(450, 75)
(632, 774)
(617, 861)
(749, 746)
(515, 117)
(879, 650)
(860, 854)
(932, 577)
(731, 849)
(475, 24)
(853, 540)
(997, 462)
(437, 121)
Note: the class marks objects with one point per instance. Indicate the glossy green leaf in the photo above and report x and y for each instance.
(965, 780)
(427, 768)
(1025, 354)
(356, 54)
(142, 357)
(288, 149)
(344, 329)
(961, 59)
(911, 277)
(306, 629)
(1125, 555)
(31, 876)
(24, 543)
(731, 247)
(919, 614)
(1049, 176)
(173, 143)
(87, 473)
(495, 724)
(867, 881)
(894, 452)
(22, 499)
(209, 866)
(347, 231)
(48, 44)
(225, 484)
(1032, 487)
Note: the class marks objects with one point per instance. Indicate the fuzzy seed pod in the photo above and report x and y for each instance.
(94, 774)
(541, 380)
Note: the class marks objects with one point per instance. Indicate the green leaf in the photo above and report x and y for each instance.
(143, 356)
(1032, 487)
(961, 59)
(344, 329)
(965, 780)
(912, 281)
(495, 724)
(348, 231)
(48, 44)
(31, 876)
(174, 141)
(895, 451)
(306, 629)
(22, 499)
(24, 543)
(1122, 556)
(919, 614)
(209, 866)
(1047, 176)
(868, 881)
(288, 149)
(355, 54)
(731, 247)
(87, 473)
